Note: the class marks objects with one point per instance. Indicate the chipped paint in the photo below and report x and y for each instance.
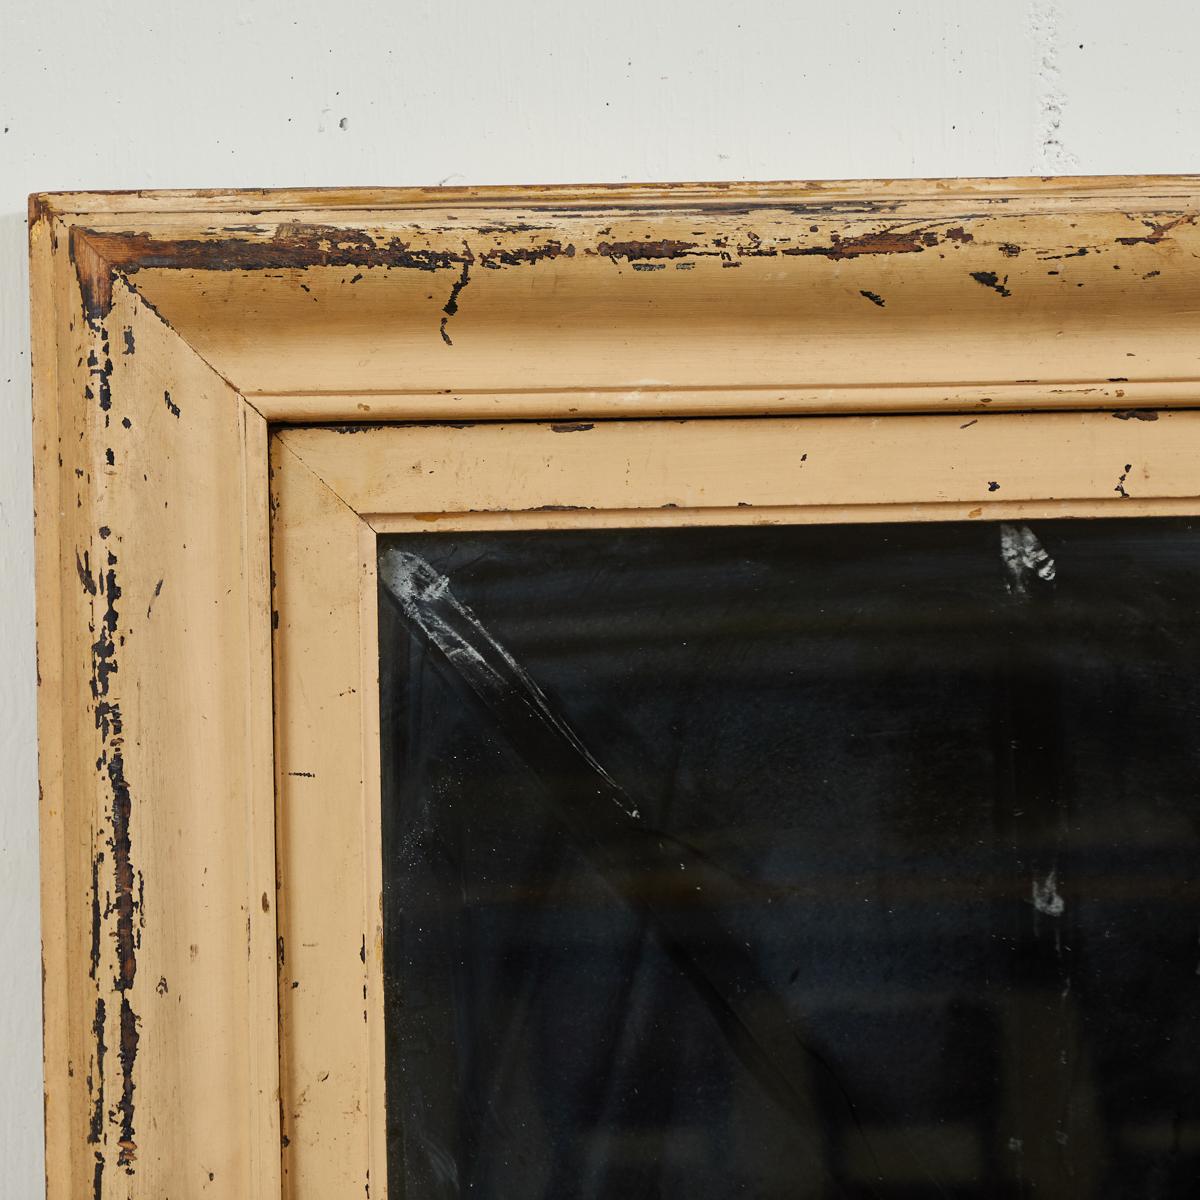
(651, 249)
(1158, 230)
(892, 240)
(1120, 488)
(96, 1079)
(451, 305)
(126, 902)
(990, 279)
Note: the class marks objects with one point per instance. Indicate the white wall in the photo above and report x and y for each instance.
(263, 93)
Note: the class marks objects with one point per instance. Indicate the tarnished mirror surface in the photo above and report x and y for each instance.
(802, 861)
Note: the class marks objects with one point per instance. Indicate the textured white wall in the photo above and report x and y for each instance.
(264, 93)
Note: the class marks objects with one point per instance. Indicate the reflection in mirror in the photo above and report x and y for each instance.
(788, 862)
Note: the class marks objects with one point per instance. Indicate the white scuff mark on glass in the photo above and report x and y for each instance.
(1045, 896)
(440, 1159)
(1025, 558)
(424, 596)
(1015, 1145)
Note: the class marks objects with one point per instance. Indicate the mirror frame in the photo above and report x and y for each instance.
(173, 332)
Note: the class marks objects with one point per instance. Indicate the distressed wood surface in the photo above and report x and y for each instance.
(755, 467)
(155, 709)
(171, 328)
(904, 296)
(330, 932)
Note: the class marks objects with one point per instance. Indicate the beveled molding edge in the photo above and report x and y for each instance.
(684, 300)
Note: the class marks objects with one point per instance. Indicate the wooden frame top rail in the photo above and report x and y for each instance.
(903, 296)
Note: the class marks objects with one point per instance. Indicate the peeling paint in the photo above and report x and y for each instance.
(127, 1152)
(641, 251)
(1158, 230)
(885, 241)
(990, 279)
(127, 901)
(99, 257)
(96, 1081)
(451, 305)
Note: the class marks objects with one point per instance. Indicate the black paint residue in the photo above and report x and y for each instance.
(990, 279)
(96, 1082)
(451, 305)
(125, 901)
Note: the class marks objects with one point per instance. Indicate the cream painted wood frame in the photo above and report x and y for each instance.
(526, 358)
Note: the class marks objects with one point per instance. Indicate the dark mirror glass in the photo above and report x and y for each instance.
(811, 861)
